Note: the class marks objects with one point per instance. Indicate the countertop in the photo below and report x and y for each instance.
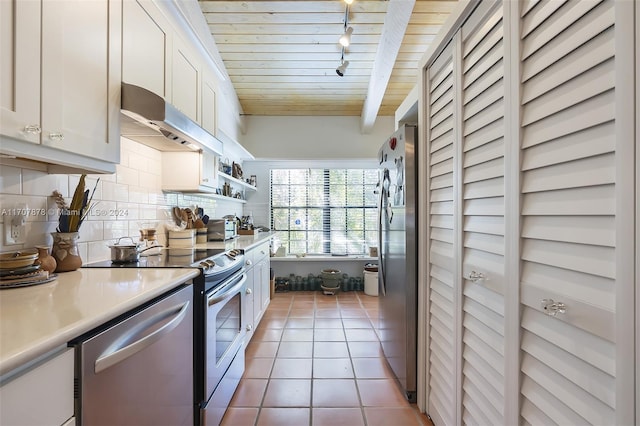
(35, 320)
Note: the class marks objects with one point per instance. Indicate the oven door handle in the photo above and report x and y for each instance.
(218, 297)
(116, 354)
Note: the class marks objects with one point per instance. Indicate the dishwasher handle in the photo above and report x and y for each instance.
(115, 356)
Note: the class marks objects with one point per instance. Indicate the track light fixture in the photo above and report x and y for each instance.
(343, 65)
(345, 40)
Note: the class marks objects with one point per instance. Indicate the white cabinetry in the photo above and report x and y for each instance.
(189, 171)
(146, 47)
(258, 290)
(529, 183)
(209, 110)
(42, 395)
(185, 79)
(61, 82)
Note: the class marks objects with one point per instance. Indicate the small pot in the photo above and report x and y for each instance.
(126, 253)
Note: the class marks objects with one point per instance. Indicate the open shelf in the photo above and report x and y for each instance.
(236, 180)
(225, 198)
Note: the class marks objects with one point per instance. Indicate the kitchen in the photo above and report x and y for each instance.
(134, 194)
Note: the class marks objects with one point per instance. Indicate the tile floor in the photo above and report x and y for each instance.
(316, 360)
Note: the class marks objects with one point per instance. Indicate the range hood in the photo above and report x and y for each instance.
(147, 118)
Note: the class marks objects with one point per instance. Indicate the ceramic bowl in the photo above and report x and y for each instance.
(17, 259)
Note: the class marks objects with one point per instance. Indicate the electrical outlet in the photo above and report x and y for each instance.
(14, 225)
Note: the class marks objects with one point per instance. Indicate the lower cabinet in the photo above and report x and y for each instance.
(258, 293)
(48, 385)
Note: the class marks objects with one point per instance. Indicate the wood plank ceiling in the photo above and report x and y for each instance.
(282, 56)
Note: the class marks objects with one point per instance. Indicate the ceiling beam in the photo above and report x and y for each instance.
(395, 25)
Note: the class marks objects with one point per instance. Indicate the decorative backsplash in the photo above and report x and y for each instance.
(122, 203)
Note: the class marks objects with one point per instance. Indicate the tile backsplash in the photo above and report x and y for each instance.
(123, 202)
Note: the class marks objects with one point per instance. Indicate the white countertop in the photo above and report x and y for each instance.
(241, 242)
(37, 319)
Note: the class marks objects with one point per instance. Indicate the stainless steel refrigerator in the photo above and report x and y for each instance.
(397, 266)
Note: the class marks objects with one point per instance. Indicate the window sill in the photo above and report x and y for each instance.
(319, 258)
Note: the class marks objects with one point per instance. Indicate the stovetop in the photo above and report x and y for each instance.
(175, 258)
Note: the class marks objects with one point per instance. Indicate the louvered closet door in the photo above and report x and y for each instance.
(482, 222)
(575, 366)
(441, 400)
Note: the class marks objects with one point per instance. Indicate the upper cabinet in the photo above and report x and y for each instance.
(185, 80)
(60, 65)
(146, 47)
(208, 108)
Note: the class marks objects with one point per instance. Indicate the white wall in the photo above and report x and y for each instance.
(318, 137)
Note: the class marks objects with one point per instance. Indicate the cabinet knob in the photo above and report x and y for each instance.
(56, 136)
(205, 180)
(474, 276)
(33, 129)
(552, 308)
(248, 262)
(249, 291)
(249, 327)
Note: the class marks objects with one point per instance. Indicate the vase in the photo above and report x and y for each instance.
(65, 251)
(45, 260)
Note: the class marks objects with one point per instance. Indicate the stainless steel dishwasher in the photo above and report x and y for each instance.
(138, 370)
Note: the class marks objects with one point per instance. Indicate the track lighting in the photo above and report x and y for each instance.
(343, 65)
(345, 39)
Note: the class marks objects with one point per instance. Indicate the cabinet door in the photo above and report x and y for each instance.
(209, 169)
(145, 46)
(577, 213)
(185, 80)
(20, 69)
(265, 283)
(249, 304)
(482, 226)
(441, 269)
(209, 104)
(81, 77)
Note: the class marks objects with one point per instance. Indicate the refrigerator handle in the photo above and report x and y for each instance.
(383, 284)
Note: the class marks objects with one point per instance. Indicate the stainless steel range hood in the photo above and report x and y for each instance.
(147, 118)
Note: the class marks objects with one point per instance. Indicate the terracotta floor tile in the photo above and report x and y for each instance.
(249, 393)
(392, 416)
(328, 323)
(267, 334)
(295, 350)
(332, 368)
(284, 417)
(328, 335)
(337, 417)
(330, 350)
(297, 335)
(361, 335)
(302, 313)
(335, 393)
(292, 368)
(305, 323)
(381, 393)
(288, 393)
(353, 313)
(238, 416)
(327, 313)
(277, 313)
(258, 349)
(273, 322)
(371, 368)
(365, 349)
(258, 368)
(356, 323)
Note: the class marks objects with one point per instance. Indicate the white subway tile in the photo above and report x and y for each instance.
(97, 251)
(127, 211)
(150, 181)
(41, 183)
(91, 231)
(115, 191)
(10, 180)
(127, 175)
(114, 229)
(36, 206)
(138, 194)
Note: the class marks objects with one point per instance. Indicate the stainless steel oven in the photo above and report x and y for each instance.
(223, 346)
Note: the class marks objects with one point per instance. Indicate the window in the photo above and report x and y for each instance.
(325, 211)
